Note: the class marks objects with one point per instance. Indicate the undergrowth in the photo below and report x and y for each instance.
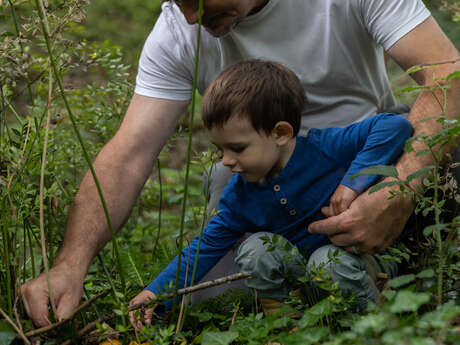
(421, 306)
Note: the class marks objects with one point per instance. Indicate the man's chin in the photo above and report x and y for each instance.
(218, 32)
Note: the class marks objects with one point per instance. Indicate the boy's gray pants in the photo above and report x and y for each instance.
(354, 273)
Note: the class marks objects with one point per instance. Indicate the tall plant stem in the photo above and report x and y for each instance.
(18, 34)
(437, 232)
(160, 206)
(189, 151)
(57, 76)
(42, 184)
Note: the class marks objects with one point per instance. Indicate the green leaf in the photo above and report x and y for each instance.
(315, 313)
(422, 152)
(419, 173)
(411, 89)
(373, 323)
(388, 294)
(312, 336)
(407, 301)
(7, 334)
(417, 68)
(382, 185)
(436, 227)
(401, 280)
(428, 273)
(453, 75)
(384, 170)
(219, 338)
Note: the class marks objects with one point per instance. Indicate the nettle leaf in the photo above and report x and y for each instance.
(384, 170)
(373, 323)
(219, 338)
(7, 334)
(407, 301)
(312, 336)
(401, 280)
(428, 273)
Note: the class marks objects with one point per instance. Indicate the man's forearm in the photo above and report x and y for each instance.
(87, 228)
(426, 105)
(122, 167)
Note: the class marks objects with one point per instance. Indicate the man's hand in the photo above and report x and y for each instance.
(340, 201)
(369, 225)
(66, 288)
(136, 317)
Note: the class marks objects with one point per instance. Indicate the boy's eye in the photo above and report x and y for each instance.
(238, 149)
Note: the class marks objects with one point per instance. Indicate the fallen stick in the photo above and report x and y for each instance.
(180, 292)
(190, 289)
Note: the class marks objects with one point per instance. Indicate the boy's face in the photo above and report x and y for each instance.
(254, 155)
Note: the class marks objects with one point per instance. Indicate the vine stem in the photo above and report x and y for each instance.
(41, 13)
(189, 151)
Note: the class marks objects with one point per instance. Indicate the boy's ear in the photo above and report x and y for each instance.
(283, 132)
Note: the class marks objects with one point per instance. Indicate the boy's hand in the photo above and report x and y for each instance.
(340, 201)
(137, 316)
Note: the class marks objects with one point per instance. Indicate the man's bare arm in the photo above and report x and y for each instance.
(373, 222)
(122, 167)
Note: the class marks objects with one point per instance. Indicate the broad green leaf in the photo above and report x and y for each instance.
(384, 170)
(401, 280)
(388, 294)
(374, 323)
(315, 313)
(7, 334)
(407, 301)
(306, 337)
(428, 273)
(219, 338)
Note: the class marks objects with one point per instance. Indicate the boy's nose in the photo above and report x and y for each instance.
(228, 161)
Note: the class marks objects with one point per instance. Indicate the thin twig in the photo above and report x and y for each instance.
(90, 326)
(16, 328)
(59, 323)
(190, 289)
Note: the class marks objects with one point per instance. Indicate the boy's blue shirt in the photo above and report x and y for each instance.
(288, 203)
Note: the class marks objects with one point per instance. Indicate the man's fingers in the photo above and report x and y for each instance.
(66, 305)
(36, 305)
(329, 226)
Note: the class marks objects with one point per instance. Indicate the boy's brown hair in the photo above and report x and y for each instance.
(263, 91)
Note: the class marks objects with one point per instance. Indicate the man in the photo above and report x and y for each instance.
(339, 41)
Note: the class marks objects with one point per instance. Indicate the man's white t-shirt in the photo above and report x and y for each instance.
(334, 46)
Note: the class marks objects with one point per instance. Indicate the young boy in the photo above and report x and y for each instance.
(282, 181)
